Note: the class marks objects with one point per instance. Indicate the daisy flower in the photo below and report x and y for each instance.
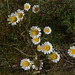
(25, 64)
(39, 48)
(27, 6)
(13, 19)
(35, 32)
(54, 56)
(36, 40)
(37, 64)
(47, 48)
(71, 51)
(47, 30)
(35, 8)
(20, 14)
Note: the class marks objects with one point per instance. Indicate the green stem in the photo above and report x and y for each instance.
(24, 53)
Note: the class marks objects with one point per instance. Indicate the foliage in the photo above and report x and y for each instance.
(58, 14)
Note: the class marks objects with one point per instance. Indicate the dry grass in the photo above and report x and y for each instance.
(15, 43)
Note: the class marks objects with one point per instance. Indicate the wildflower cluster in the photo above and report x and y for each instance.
(47, 47)
(18, 15)
(35, 34)
(35, 64)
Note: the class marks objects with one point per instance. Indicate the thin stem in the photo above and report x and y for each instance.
(29, 17)
(24, 53)
(35, 53)
(8, 6)
(27, 54)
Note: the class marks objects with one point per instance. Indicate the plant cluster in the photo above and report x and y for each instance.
(35, 33)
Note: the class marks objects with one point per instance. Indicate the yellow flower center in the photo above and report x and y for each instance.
(39, 48)
(36, 9)
(36, 39)
(20, 15)
(37, 63)
(13, 19)
(26, 63)
(53, 56)
(35, 32)
(47, 30)
(47, 47)
(27, 7)
(73, 51)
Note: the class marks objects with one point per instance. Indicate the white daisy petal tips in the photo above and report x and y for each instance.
(35, 32)
(27, 6)
(47, 30)
(36, 40)
(20, 14)
(54, 56)
(47, 48)
(13, 19)
(37, 64)
(71, 51)
(25, 64)
(35, 8)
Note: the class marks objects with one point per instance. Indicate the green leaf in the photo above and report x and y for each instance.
(65, 22)
(74, 26)
(35, 72)
(68, 29)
